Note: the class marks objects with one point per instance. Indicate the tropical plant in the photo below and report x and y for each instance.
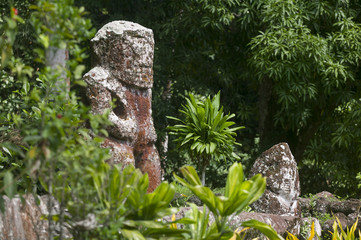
(238, 195)
(204, 132)
(290, 236)
(121, 205)
(339, 234)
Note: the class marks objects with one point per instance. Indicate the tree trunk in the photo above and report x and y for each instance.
(56, 58)
(204, 176)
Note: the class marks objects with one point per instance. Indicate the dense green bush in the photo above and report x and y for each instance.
(45, 137)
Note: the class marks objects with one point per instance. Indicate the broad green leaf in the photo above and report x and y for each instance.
(234, 179)
(216, 101)
(173, 118)
(205, 135)
(184, 220)
(26, 87)
(80, 83)
(191, 175)
(132, 234)
(79, 71)
(7, 151)
(212, 147)
(147, 224)
(165, 233)
(193, 182)
(9, 184)
(215, 125)
(195, 145)
(44, 40)
(264, 228)
(199, 228)
(246, 193)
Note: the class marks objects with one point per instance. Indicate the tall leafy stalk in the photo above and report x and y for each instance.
(205, 132)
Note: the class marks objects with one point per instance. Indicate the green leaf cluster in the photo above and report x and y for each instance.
(205, 131)
(340, 234)
(121, 205)
(238, 194)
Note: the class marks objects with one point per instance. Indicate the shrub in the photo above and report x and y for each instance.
(204, 132)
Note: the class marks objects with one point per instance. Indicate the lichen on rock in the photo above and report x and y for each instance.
(283, 186)
(123, 74)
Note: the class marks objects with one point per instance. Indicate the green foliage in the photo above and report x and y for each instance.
(182, 194)
(48, 140)
(305, 68)
(285, 69)
(122, 201)
(47, 121)
(205, 131)
(238, 194)
(122, 206)
(266, 229)
(215, 14)
(339, 234)
(13, 72)
(290, 236)
(307, 53)
(289, 69)
(59, 143)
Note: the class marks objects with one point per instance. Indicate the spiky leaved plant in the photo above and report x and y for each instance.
(205, 132)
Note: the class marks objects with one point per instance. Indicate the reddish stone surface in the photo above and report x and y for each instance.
(123, 73)
(123, 152)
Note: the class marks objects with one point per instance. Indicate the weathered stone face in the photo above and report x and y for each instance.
(123, 74)
(283, 187)
(127, 50)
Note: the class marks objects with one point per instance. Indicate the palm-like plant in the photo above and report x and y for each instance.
(205, 132)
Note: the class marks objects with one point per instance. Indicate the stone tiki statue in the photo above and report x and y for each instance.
(123, 74)
(283, 185)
